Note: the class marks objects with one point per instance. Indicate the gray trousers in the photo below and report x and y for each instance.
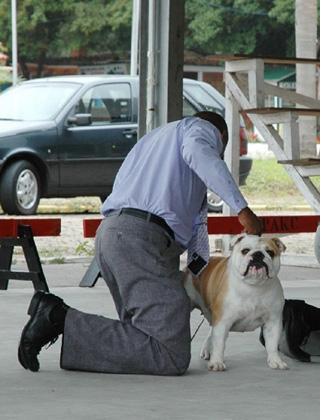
(140, 264)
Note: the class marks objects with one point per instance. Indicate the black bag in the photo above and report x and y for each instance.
(300, 338)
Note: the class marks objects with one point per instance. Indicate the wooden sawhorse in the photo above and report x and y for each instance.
(21, 232)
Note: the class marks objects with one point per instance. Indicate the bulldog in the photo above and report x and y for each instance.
(240, 293)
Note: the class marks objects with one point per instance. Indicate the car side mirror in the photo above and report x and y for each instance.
(80, 119)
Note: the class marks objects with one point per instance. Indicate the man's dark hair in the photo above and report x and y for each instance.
(216, 119)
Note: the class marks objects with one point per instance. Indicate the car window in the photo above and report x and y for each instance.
(108, 103)
(35, 101)
(188, 108)
(202, 97)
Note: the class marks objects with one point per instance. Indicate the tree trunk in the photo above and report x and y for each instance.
(24, 68)
(306, 47)
(41, 61)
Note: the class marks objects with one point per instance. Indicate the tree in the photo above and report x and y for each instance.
(99, 25)
(38, 22)
(49, 28)
(55, 28)
(239, 26)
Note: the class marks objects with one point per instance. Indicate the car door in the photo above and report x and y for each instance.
(90, 156)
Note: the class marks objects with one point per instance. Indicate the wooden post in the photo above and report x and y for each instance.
(306, 46)
(255, 69)
(232, 151)
(291, 140)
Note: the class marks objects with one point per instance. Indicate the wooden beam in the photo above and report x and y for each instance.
(232, 151)
(241, 65)
(90, 226)
(306, 171)
(255, 69)
(274, 110)
(291, 138)
(276, 117)
(230, 225)
(266, 59)
(306, 167)
(40, 227)
(271, 224)
(291, 96)
(301, 162)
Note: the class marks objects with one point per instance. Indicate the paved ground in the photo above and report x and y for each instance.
(249, 390)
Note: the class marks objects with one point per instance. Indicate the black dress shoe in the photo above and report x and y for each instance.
(40, 329)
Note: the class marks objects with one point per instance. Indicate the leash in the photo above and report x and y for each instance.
(198, 328)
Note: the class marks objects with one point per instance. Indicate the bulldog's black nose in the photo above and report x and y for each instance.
(258, 256)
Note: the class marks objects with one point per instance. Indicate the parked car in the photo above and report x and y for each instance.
(67, 136)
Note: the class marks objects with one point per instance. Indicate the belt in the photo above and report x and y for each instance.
(145, 215)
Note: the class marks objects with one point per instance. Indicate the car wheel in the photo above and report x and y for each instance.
(215, 204)
(20, 188)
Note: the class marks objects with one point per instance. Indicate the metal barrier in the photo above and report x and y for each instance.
(223, 225)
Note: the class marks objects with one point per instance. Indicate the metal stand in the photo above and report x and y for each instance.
(91, 275)
(35, 274)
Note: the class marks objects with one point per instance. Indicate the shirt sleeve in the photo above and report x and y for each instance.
(201, 149)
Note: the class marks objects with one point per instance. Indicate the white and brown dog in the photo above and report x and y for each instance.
(241, 293)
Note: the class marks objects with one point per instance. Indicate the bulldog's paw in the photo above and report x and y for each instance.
(216, 365)
(205, 353)
(277, 363)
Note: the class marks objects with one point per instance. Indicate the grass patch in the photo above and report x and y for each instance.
(76, 205)
(269, 184)
(85, 248)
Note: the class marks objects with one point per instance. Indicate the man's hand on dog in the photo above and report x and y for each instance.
(251, 223)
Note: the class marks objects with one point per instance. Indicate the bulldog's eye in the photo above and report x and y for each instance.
(271, 253)
(245, 251)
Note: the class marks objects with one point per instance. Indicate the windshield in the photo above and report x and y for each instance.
(203, 98)
(35, 102)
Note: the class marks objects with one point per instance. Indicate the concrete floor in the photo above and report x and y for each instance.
(248, 390)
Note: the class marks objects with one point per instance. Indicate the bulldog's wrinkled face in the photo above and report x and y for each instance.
(256, 259)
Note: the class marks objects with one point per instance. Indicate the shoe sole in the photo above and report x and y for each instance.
(34, 304)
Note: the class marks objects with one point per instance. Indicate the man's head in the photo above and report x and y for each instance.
(218, 121)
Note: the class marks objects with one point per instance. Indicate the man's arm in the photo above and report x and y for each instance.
(201, 149)
(201, 152)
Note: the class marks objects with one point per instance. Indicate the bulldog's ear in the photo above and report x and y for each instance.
(236, 239)
(279, 244)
